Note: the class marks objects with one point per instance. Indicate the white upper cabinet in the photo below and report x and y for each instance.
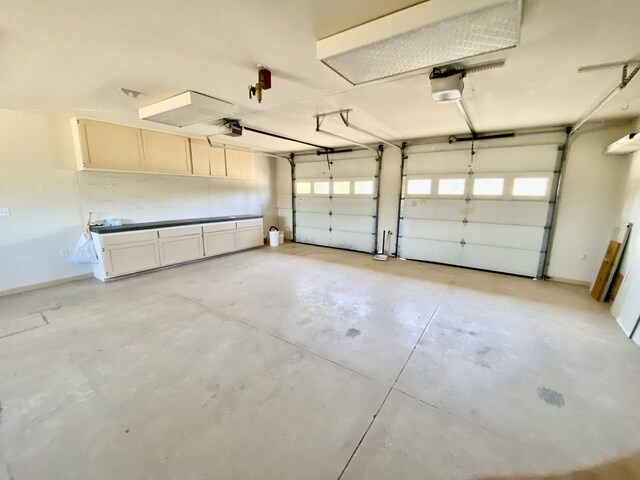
(166, 153)
(207, 160)
(239, 164)
(108, 146)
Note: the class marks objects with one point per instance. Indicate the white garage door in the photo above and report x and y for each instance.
(492, 213)
(336, 205)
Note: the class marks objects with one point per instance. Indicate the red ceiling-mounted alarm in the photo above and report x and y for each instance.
(264, 83)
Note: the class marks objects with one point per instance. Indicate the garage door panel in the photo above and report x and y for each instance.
(313, 204)
(509, 212)
(433, 250)
(433, 230)
(508, 260)
(353, 223)
(354, 168)
(314, 236)
(313, 220)
(438, 163)
(502, 233)
(343, 221)
(307, 170)
(515, 236)
(362, 242)
(435, 209)
(534, 158)
(354, 206)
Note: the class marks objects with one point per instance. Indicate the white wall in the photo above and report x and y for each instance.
(631, 203)
(390, 184)
(626, 306)
(39, 183)
(48, 198)
(590, 205)
(141, 197)
(285, 218)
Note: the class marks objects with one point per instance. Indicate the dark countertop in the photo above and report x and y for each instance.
(131, 227)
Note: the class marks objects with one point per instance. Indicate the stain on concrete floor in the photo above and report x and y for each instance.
(551, 397)
(352, 333)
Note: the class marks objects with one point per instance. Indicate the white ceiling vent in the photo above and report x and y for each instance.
(188, 108)
(627, 144)
(435, 32)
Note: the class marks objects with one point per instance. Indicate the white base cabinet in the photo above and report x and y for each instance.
(249, 238)
(137, 251)
(131, 257)
(219, 243)
(180, 249)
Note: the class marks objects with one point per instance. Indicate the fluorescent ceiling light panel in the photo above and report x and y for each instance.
(436, 32)
(188, 108)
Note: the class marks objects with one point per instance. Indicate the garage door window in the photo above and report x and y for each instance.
(363, 187)
(530, 187)
(341, 188)
(321, 188)
(488, 186)
(303, 188)
(451, 186)
(419, 186)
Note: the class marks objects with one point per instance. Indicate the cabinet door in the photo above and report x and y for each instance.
(249, 238)
(180, 249)
(166, 153)
(239, 164)
(200, 157)
(247, 166)
(131, 257)
(108, 146)
(217, 162)
(219, 243)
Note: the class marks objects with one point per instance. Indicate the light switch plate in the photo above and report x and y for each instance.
(5, 212)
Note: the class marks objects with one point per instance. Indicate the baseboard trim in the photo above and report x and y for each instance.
(571, 281)
(38, 286)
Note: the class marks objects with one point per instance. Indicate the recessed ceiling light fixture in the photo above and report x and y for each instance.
(432, 33)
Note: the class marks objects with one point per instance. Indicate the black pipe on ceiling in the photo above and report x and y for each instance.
(454, 139)
(342, 150)
(282, 137)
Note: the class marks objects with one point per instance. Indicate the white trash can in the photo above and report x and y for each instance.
(281, 238)
(274, 237)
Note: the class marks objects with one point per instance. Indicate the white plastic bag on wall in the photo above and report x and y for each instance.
(84, 252)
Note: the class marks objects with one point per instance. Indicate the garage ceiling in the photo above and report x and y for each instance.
(71, 56)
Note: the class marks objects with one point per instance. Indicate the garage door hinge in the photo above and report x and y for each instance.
(462, 242)
(330, 229)
(467, 200)
(330, 213)
(465, 221)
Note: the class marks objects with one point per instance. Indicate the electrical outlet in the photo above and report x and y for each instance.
(64, 252)
(5, 212)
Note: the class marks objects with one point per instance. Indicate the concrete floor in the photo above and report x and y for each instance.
(303, 362)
